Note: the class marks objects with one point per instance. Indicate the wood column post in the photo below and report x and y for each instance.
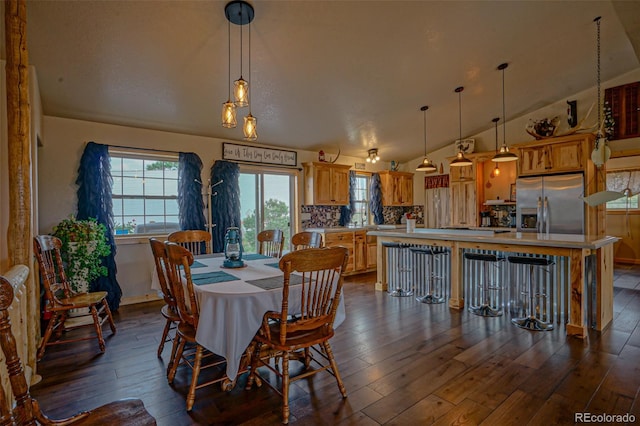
(18, 125)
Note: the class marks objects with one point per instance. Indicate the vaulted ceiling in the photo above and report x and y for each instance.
(330, 75)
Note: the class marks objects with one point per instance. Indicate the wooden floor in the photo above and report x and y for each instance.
(403, 363)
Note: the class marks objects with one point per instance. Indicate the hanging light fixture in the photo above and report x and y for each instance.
(229, 108)
(504, 155)
(240, 13)
(250, 128)
(372, 156)
(496, 170)
(601, 151)
(460, 159)
(426, 165)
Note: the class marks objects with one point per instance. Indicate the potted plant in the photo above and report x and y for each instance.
(84, 244)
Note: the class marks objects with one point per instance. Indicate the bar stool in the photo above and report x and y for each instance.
(399, 279)
(531, 321)
(435, 292)
(485, 307)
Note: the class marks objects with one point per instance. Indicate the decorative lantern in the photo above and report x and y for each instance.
(233, 248)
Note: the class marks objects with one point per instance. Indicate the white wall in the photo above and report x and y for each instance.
(59, 158)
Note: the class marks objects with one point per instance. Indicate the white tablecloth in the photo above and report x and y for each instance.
(231, 312)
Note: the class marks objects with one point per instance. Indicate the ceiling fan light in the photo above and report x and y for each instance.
(229, 115)
(250, 128)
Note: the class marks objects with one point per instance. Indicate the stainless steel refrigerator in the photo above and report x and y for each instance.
(550, 204)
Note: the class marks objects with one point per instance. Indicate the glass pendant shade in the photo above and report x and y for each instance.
(496, 171)
(229, 114)
(241, 92)
(250, 128)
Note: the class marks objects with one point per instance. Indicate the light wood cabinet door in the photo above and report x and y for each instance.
(397, 188)
(566, 157)
(360, 251)
(372, 256)
(342, 239)
(463, 204)
(534, 160)
(457, 174)
(326, 184)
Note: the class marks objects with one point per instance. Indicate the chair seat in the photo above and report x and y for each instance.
(129, 412)
(483, 257)
(187, 332)
(169, 313)
(83, 300)
(295, 339)
(536, 261)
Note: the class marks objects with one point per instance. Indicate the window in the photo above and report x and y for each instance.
(621, 180)
(144, 192)
(361, 214)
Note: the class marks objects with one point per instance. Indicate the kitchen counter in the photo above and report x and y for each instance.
(590, 259)
(358, 228)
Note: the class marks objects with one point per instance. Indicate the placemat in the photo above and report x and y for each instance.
(273, 265)
(254, 256)
(212, 278)
(197, 264)
(275, 282)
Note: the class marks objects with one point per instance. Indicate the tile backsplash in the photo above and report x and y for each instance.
(329, 216)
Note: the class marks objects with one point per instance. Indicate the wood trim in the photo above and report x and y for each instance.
(627, 153)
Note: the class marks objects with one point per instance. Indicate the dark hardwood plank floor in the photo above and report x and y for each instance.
(403, 363)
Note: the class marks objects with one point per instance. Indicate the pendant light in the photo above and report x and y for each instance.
(601, 151)
(229, 108)
(426, 165)
(240, 13)
(504, 155)
(460, 159)
(250, 128)
(496, 170)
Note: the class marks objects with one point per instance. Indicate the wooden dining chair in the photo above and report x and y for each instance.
(306, 239)
(270, 242)
(170, 310)
(60, 299)
(310, 329)
(180, 261)
(196, 241)
(27, 411)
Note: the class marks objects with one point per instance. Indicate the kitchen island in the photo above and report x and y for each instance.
(590, 261)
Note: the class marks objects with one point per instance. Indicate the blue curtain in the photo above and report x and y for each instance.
(225, 201)
(94, 200)
(347, 211)
(190, 202)
(375, 199)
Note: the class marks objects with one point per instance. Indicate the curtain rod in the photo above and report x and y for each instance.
(144, 149)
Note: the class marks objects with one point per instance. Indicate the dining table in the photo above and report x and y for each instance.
(233, 301)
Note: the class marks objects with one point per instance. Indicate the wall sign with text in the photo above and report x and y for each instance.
(256, 154)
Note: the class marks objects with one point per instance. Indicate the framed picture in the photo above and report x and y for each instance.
(512, 192)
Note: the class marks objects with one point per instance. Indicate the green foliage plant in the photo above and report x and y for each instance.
(84, 244)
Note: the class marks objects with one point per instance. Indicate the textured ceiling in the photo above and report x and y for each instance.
(324, 74)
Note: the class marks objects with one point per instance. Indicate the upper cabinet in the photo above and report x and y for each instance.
(326, 184)
(466, 192)
(397, 188)
(554, 155)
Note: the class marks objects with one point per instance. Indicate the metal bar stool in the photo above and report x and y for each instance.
(532, 320)
(399, 268)
(487, 306)
(435, 292)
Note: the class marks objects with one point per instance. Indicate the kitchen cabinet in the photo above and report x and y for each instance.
(397, 188)
(466, 192)
(343, 239)
(552, 157)
(326, 184)
(362, 249)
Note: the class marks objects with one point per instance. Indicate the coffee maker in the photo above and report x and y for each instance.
(486, 219)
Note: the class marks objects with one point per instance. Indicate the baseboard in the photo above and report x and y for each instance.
(139, 299)
(626, 261)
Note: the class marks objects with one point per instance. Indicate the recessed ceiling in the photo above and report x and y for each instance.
(348, 75)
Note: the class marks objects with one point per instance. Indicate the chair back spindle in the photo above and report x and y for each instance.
(180, 261)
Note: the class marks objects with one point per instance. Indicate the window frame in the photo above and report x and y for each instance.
(145, 156)
(367, 177)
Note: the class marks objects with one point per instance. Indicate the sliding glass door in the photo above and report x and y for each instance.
(266, 202)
